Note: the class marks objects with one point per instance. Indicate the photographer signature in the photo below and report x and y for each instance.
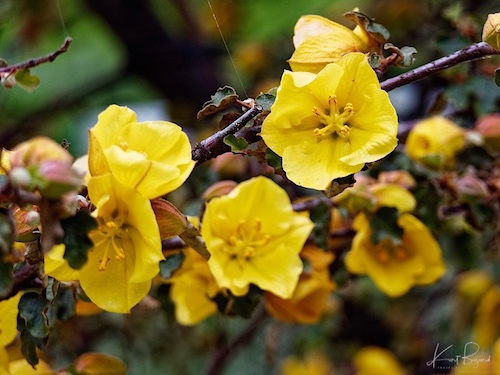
(467, 357)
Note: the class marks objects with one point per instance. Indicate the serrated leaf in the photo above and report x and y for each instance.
(171, 264)
(223, 98)
(32, 310)
(384, 225)
(378, 32)
(76, 238)
(29, 345)
(26, 80)
(265, 100)
(273, 159)
(237, 144)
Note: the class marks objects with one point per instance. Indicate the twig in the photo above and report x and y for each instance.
(213, 145)
(472, 52)
(225, 353)
(312, 203)
(37, 61)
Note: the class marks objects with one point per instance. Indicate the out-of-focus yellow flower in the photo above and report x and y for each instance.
(8, 319)
(319, 41)
(398, 177)
(368, 195)
(328, 125)
(99, 363)
(372, 360)
(396, 267)
(491, 30)
(472, 285)
(22, 367)
(312, 364)
(126, 252)
(151, 157)
(193, 288)
(255, 237)
(487, 322)
(435, 141)
(309, 300)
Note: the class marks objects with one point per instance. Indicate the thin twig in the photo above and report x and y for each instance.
(37, 61)
(472, 52)
(213, 145)
(225, 353)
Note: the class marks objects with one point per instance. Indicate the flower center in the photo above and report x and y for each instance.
(386, 250)
(112, 232)
(333, 119)
(248, 240)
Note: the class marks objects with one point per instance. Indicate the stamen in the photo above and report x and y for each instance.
(334, 121)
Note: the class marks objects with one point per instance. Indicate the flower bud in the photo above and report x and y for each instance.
(491, 30)
(20, 177)
(470, 187)
(489, 127)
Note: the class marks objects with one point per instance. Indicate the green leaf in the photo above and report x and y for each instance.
(237, 144)
(497, 77)
(63, 307)
(6, 281)
(171, 264)
(273, 159)
(376, 30)
(265, 100)
(320, 215)
(6, 232)
(29, 344)
(374, 60)
(223, 98)
(32, 309)
(384, 224)
(76, 238)
(26, 80)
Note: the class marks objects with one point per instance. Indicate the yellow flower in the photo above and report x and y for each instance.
(434, 142)
(329, 125)
(8, 319)
(193, 288)
(319, 41)
(396, 267)
(152, 157)
(255, 237)
(372, 360)
(309, 299)
(487, 322)
(127, 248)
(312, 364)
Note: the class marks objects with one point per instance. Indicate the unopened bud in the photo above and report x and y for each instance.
(491, 30)
(472, 187)
(9, 81)
(20, 177)
(489, 128)
(32, 218)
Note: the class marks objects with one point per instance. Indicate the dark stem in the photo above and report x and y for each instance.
(38, 61)
(225, 353)
(472, 52)
(214, 145)
(24, 278)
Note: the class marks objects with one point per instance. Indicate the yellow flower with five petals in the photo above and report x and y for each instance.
(328, 125)
(126, 252)
(255, 237)
(395, 266)
(151, 157)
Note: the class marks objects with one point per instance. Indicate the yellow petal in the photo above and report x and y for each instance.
(58, 267)
(391, 195)
(110, 122)
(8, 314)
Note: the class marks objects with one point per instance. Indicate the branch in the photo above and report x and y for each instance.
(472, 52)
(214, 145)
(37, 61)
(225, 353)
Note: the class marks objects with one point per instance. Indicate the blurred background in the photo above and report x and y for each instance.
(163, 59)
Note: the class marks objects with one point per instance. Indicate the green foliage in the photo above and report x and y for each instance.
(273, 159)
(266, 100)
(376, 30)
(6, 280)
(26, 80)
(384, 225)
(76, 240)
(320, 215)
(237, 144)
(223, 98)
(171, 264)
